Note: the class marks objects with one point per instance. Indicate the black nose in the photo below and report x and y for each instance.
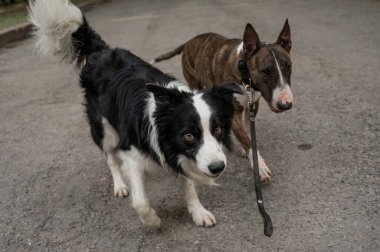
(216, 167)
(284, 106)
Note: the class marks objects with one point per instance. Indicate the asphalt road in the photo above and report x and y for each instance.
(55, 187)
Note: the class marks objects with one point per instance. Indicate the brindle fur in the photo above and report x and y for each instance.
(212, 59)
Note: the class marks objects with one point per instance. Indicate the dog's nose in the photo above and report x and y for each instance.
(216, 167)
(284, 106)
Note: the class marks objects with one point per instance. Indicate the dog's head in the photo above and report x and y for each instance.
(192, 129)
(271, 67)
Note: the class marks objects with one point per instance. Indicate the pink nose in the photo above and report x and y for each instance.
(285, 100)
(284, 106)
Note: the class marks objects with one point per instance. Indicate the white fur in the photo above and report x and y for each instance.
(134, 164)
(110, 138)
(192, 171)
(110, 141)
(239, 49)
(282, 82)
(201, 216)
(119, 187)
(54, 22)
(211, 150)
(281, 93)
(179, 85)
(243, 99)
(265, 172)
(153, 132)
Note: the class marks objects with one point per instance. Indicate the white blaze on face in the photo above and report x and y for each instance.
(210, 150)
(239, 48)
(282, 93)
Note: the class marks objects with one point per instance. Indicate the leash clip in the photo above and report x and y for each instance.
(249, 91)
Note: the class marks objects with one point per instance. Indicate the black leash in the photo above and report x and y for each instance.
(249, 89)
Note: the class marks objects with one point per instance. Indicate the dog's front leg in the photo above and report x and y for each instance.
(135, 173)
(120, 189)
(201, 216)
(265, 172)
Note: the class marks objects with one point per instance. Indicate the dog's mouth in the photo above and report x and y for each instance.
(275, 110)
(212, 176)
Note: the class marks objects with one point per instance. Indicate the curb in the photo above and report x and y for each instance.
(22, 31)
(18, 32)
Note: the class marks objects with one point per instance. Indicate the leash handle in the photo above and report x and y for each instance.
(249, 89)
(268, 227)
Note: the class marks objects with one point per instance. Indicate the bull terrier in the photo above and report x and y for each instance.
(211, 59)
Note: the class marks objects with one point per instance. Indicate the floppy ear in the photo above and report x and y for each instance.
(158, 91)
(226, 91)
(233, 88)
(284, 39)
(166, 95)
(251, 41)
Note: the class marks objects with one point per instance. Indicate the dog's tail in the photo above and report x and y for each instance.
(60, 28)
(169, 55)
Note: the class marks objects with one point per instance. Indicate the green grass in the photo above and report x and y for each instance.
(11, 19)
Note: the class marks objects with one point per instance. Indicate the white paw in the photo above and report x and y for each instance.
(202, 217)
(151, 219)
(120, 190)
(265, 172)
(243, 153)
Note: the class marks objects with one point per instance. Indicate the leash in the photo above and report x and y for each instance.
(249, 88)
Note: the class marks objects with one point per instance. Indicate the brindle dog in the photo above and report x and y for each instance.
(210, 59)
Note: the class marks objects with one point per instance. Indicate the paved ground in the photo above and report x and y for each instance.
(55, 187)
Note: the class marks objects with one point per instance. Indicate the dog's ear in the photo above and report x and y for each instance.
(232, 88)
(251, 41)
(284, 39)
(158, 91)
(226, 91)
(165, 95)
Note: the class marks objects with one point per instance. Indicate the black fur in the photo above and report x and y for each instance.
(116, 87)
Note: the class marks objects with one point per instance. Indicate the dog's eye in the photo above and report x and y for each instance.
(288, 66)
(265, 71)
(189, 137)
(218, 131)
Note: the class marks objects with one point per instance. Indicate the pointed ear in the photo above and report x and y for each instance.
(251, 40)
(284, 39)
(226, 91)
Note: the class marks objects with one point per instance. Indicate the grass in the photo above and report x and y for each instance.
(11, 15)
(9, 20)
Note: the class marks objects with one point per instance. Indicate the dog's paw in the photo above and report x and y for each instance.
(265, 172)
(204, 218)
(243, 153)
(120, 190)
(151, 219)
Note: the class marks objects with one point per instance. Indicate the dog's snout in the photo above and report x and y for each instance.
(216, 167)
(284, 106)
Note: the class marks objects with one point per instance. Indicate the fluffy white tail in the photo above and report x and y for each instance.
(54, 23)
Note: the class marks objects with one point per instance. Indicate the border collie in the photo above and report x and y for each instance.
(140, 117)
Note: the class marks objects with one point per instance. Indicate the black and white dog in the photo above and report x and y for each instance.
(140, 117)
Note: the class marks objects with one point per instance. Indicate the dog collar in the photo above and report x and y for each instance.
(245, 76)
